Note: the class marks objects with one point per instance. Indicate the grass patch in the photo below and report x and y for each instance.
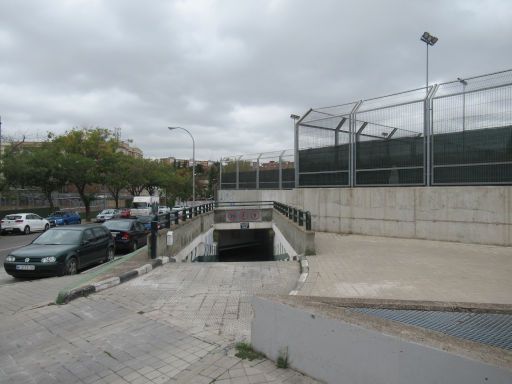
(246, 352)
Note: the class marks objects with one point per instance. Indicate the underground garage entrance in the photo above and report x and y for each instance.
(245, 245)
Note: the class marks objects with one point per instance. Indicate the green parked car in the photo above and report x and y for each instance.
(61, 251)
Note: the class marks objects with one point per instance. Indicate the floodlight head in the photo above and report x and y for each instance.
(462, 81)
(428, 38)
(294, 117)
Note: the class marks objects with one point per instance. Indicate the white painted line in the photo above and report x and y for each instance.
(113, 281)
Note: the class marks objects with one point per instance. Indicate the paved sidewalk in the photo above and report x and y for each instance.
(175, 325)
(404, 269)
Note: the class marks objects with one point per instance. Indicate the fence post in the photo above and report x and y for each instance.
(301, 218)
(184, 214)
(237, 173)
(153, 238)
(308, 221)
(353, 145)
(280, 186)
(220, 174)
(294, 215)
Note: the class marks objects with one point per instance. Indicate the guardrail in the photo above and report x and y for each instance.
(302, 218)
(189, 212)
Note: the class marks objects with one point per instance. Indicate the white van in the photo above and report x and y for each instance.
(143, 205)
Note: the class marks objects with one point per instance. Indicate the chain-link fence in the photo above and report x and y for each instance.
(454, 133)
(269, 170)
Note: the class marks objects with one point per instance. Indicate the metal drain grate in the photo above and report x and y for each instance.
(485, 328)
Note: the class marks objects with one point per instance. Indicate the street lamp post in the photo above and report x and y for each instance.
(428, 39)
(193, 163)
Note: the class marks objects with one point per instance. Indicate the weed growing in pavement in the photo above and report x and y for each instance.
(246, 352)
(282, 359)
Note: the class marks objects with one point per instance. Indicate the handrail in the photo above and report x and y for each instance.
(302, 218)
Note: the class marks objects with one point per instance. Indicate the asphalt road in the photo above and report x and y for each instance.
(7, 244)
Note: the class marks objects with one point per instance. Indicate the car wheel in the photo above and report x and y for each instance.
(80, 221)
(26, 231)
(71, 267)
(47, 227)
(110, 254)
(65, 222)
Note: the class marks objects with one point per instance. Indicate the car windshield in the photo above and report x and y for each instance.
(140, 205)
(144, 219)
(107, 212)
(57, 214)
(13, 217)
(118, 225)
(59, 237)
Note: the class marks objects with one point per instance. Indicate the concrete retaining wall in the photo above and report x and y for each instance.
(339, 350)
(183, 234)
(302, 241)
(472, 214)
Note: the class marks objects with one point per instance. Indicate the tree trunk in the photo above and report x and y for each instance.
(116, 199)
(48, 195)
(85, 199)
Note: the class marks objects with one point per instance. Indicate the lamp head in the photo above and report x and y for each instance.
(428, 38)
(294, 117)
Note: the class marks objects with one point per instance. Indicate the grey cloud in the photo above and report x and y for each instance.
(230, 71)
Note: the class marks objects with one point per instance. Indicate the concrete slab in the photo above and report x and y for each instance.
(408, 269)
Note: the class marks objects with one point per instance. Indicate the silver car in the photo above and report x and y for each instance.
(107, 214)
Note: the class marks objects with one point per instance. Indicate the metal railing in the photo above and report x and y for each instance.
(302, 218)
(190, 212)
(454, 133)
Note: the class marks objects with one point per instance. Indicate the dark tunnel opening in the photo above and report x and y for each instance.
(245, 245)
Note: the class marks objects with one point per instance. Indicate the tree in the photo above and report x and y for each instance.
(135, 175)
(213, 175)
(114, 171)
(34, 167)
(83, 152)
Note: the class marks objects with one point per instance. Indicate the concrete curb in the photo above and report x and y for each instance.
(65, 296)
(304, 272)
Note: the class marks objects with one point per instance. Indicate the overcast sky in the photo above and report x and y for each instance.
(230, 71)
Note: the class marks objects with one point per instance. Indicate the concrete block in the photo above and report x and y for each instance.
(335, 347)
(144, 269)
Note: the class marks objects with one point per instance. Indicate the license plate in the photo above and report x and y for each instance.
(25, 267)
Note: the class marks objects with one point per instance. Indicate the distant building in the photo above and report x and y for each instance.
(127, 149)
(186, 163)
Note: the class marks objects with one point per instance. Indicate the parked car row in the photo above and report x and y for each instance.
(64, 250)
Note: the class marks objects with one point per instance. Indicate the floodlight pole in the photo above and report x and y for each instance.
(428, 39)
(193, 163)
